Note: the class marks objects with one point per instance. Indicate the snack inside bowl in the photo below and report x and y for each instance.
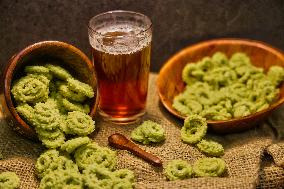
(64, 55)
(170, 83)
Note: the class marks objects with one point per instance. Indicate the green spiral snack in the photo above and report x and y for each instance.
(210, 148)
(44, 161)
(9, 180)
(61, 163)
(209, 167)
(71, 95)
(239, 59)
(187, 76)
(26, 112)
(72, 144)
(80, 87)
(30, 90)
(124, 175)
(47, 116)
(276, 74)
(243, 108)
(79, 123)
(194, 129)
(58, 72)
(73, 106)
(148, 132)
(219, 59)
(48, 134)
(178, 170)
(36, 69)
(98, 177)
(186, 105)
(62, 179)
(122, 185)
(93, 154)
(55, 142)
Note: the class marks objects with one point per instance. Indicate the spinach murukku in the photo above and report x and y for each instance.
(71, 95)
(80, 87)
(148, 132)
(72, 144)
(52, 143)
(210, 148)
(92, 153)
(79, 123)
(26, 112)
(194, 129)
(58, 72)
(74, 106)
(30, 90)
(9, 180)
(209, 167)
(276, 74)
(178, 170)
(60, 179)
(44, 161)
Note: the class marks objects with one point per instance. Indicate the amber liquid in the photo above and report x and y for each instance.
(122, 80)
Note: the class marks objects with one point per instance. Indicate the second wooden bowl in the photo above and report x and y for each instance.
(64, 54)
(170, 84)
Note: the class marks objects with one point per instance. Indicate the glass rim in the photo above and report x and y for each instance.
(120, 11)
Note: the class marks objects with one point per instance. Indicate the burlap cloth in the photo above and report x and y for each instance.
(254, 158)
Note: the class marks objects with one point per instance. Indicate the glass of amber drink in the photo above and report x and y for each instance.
(121, 46)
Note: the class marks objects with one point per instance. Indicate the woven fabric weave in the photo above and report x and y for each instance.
(245, 153)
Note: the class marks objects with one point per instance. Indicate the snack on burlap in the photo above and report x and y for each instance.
(209, 167)
(178, 170)
(9, 180)
(194, 129)
(243, 153)
(71, 145)
(148, 132)
(210, 148)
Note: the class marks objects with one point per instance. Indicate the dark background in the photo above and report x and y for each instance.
(177, 23)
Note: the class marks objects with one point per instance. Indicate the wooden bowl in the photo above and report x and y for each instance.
(64, 54)
(169, 82)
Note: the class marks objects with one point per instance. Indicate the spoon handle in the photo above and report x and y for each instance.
(143, 154)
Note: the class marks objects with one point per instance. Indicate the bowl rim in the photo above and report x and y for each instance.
(249, 42)
(18, 56)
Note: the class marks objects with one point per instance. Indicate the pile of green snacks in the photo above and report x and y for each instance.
(204, 167)
(9, 180)
(148, 132)
(219, 88)
(193, 132)
(80, 164)
(54, 103)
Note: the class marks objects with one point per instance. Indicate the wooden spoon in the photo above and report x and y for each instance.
(119, 141)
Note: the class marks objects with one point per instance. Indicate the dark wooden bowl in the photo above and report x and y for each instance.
(64, 54)
(169, 82)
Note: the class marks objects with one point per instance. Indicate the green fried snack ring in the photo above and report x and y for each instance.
(30, 90)
(194, 129)
(276, 74)
(80, 87)
(124, 175)
(219, 59)
(79, 123)
(58, 72)
(26, 112)
(44, 161)
(93, 154)
(72, 144)
(122, 185)
(62, 180)
(186, 105)
(48, 134)
(71, 95)
(97, 177)
(148, 132)
(55, 142)
(209, 167)
(36, 69)
(178, 170)
(69, 106)
(47, 116)
(187, 76)
(210, 148)
(61, 163)
(238, 60)
(9, 180)
(243, 108)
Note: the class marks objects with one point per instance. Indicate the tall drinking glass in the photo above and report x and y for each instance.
(121, 46)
